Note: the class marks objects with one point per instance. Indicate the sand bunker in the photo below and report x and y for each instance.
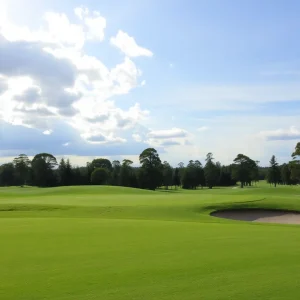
(259, 215)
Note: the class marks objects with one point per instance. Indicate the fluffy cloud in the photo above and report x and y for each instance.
(137, 137)
(281, 134)
(101, 139)
(93, 21)
(168, 137)
(128, 45)
(47, 77)
(3, 85)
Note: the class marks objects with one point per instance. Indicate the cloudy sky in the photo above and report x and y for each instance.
(86, 79)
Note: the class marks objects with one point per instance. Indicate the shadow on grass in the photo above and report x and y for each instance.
(234, 205)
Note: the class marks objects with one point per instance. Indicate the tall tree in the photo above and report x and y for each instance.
(181, 170)
(69, 172)
(102, 163)
(22, 165)
(243, 170)
(210, 171)
(116, 169)
(42, 167)
(295, 164)
(151, 164)
(167, 174)
(200, 178)
(126, 173)
(273, 172)
(193, 175)
(7, 172)
(285, 174)
(176, 178)
(62, 172)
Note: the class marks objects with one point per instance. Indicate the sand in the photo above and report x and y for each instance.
(259, 215)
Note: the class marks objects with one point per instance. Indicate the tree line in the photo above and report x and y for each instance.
(44, 171)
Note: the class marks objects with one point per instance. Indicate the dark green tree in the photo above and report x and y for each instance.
(167, 174)
(7, 172)
(62, 172)
(99, 176)
(243, 170)
(295, 164)
(273, 172)
(102, 163)
(22, 167)
(176, 178)
(152, 169)
(211, 172)
(115, 175)
(285, 174)
(126, 173)
(42, 169)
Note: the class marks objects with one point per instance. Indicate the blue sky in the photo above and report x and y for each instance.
(85, 79)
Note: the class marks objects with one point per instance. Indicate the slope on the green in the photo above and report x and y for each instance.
(119, 243)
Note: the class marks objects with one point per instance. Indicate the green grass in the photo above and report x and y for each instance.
(120, 243)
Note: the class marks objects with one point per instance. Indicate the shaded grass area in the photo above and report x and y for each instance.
(114, 243)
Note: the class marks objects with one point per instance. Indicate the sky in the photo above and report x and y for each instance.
(86, 79)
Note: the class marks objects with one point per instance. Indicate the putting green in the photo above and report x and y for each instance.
(118, 243)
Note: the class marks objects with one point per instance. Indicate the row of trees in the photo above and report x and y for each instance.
(45, 171)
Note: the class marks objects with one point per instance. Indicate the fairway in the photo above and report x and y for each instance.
(109, 243)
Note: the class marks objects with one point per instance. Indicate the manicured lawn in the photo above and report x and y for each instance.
(117, 243)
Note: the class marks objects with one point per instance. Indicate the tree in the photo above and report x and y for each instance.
(176, 178)
(99, 176)
(62, 172)
(210, 171)
(273, 172)
(152, 168)
(22, 165)
(295, 164)
(102, 163)
(285, 174)
(244, 169)
(42, 167)
(193, 175)
(167, 174)
(181, 170)
(200, 178)
(69, 173)
(188, 178)
(226, 178)
(7, 172)
(126, 173)
(115, 176)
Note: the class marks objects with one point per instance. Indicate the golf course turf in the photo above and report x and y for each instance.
(99, 242)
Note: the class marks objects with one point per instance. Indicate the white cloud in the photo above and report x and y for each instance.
(94, 22)
(128, 45)
(168, 138)
(281, 134)
(137, 137)
(56, 80)
(47, 132)
(102, 139)
(203, 128)
(169, 133)
(60, 30)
